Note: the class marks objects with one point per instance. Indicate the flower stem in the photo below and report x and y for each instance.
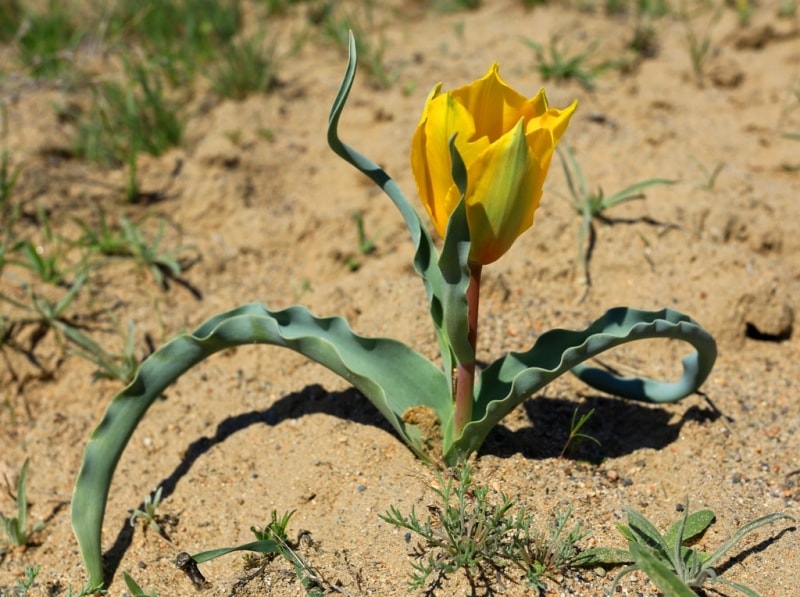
(465, 372)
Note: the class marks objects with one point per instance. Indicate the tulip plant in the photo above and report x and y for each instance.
(479, 155)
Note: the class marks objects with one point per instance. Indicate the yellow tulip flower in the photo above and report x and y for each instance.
(506, 142)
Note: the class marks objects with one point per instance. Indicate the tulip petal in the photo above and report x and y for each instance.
(431, 155)
(495, 107)
(554, 120)
(504, 188)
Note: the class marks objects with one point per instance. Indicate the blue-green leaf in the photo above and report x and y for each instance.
(391, 375)
(518, 375)
(425, 255)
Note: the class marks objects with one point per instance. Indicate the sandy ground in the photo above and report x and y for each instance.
(259, 429)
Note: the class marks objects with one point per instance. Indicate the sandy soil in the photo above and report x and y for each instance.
(257, 429)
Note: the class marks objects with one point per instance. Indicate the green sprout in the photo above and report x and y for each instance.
(592, 205)
(16, 528)
(366, 245)
(134, 587)
(271, 541)
(557, 64)
(575, 427)
(672, 565)
(468, 532)
(148, 516)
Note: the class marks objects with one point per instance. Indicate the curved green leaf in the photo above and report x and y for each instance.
(425, 255)
(391, 375)
(263, 547)
(517, 376)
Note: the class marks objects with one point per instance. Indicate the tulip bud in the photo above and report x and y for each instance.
(506, 142)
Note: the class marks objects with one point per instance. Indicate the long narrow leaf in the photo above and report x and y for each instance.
(263, 547)
(743, 530)
(515, 377)
(410, 381)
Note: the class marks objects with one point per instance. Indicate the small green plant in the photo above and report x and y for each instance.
(128, 118)
(545, 554)
(672, 565)
(46, 40)
(129, 242)
(557, 63)
(709, 175)
(483, 539)
(699, 43)
(575, 434)
(134, 587)
(591, 205)
(246, 67)
(271, 541)
(182, 35)
(121, 367)
(24, 585)
(46, 315)
(366, 245)
(17, 533)
(148, 517)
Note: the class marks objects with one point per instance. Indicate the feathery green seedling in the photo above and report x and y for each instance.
(23, 585)
(484, 540)
(672, 565)
(468, 533)
(555, 63)
(591, 205)
(246, 67)
(136, 589)
(543, 555)
(575, 427)
(17, 533)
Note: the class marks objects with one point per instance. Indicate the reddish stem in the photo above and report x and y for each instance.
(465, 372)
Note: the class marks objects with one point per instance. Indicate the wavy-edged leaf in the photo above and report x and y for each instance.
(425, 255)
(391, 375)
(518, 375)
